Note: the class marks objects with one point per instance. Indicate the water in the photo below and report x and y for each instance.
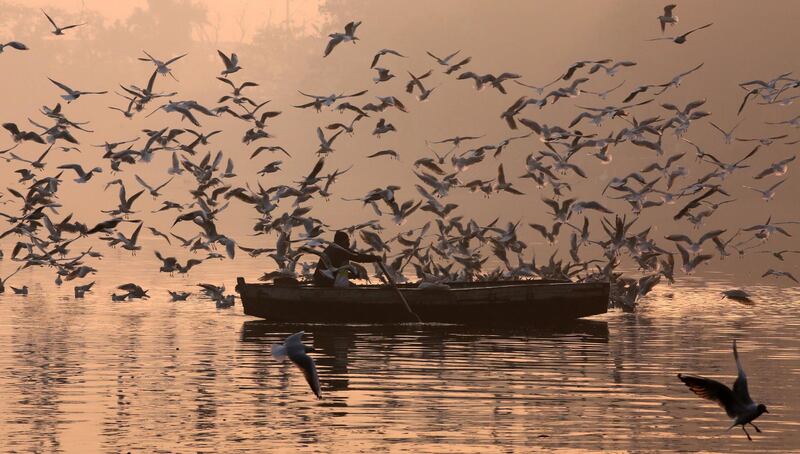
(148, 376)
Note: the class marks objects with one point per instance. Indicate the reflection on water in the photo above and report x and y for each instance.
(92, 375)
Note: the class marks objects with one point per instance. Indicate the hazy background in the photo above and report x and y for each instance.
(280, 46)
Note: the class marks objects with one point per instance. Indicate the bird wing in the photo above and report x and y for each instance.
(225, 60)
(331, 44)
(50, 19)
(61, 86)
(740, 385)
(306, 365)
(143, 183)
(713, 391)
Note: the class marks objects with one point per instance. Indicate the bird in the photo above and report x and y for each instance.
(60, 30)
(737, 295)
(153, 190)
(383, 52)
(83, 176)
(20, 291)
(668, 17)
(736, 402)
(72, 95)
(680, 39)
(231, 63)
(727, 136)
(336, 38)
(178, 296)
(162, 67)
(80, 290)
(14, 45)
(777, 273)
(297, 353)
(767, 194)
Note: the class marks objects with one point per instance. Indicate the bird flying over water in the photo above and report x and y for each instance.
(736, 402)
(297, 353)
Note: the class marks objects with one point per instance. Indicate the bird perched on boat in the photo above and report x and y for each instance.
(348, 35)
(294, 349)
(737, 403)
(60, 30)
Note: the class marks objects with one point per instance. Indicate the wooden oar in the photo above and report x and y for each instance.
(396, 289)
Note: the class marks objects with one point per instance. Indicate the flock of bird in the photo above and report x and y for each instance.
(446, 247)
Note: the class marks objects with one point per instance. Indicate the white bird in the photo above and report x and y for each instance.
(668, 17)
(294, 349)
(737, 402)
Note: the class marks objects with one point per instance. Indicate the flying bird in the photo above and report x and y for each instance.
(297, 353)
(336, 38)
(680, 39)
(60, 30)
(736, 402)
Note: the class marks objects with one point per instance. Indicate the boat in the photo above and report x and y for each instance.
(525, 302)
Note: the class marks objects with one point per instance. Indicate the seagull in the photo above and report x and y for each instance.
(3, 281)
(443, 61)
(326, 145)
(737, 295)
(80, 290)
(737, 402)
(162, 67)
(60, 30)
(14, 45)
(776, 273)
(668, 17)
(767, 194)
(231, 63)
(383, 52)
(680, 39)
(727, 136)
(294, 349)
(336, 38)
(72, 95)
(83, 176)
(153, 191)
(502, 185)
(20, 291)
(178, 296)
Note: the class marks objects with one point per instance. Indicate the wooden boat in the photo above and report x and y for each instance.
(511, 302)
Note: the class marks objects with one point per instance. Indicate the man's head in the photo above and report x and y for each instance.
(342, 239)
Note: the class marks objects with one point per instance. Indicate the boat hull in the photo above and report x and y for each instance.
(520, 303)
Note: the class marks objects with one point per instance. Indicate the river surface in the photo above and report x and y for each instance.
(94, 375)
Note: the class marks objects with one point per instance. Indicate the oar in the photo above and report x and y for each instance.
(399, 293)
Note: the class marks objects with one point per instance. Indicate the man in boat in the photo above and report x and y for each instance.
(338, 254)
